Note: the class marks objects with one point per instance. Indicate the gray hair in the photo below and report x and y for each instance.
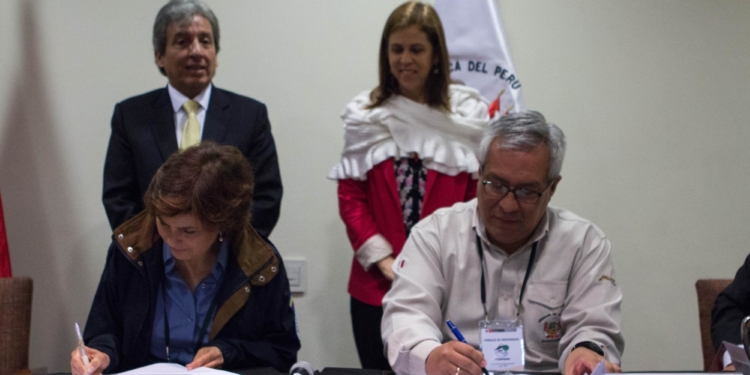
(181, 12)
(524, 131)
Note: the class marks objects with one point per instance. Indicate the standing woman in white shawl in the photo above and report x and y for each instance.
(411, 147)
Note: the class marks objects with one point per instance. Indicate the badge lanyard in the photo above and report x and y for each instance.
(480, 250)
(204, 326)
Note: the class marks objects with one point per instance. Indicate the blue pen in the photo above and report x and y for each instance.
(455, 331)
(461, 338)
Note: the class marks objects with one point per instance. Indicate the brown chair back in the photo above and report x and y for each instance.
(15, 324)
(708, 290)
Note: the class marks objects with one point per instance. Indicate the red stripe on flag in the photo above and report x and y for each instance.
(494, 107)
(4, 254)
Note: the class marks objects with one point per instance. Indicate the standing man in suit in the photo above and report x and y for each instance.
(146, 129)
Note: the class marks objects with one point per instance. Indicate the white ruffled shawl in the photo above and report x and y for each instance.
(446, 142)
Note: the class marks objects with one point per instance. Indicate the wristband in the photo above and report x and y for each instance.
(590, 346)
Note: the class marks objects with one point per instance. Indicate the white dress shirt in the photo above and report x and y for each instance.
(180, 115)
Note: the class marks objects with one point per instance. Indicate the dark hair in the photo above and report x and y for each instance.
(211, 181)
(424, 16)
(181, 12)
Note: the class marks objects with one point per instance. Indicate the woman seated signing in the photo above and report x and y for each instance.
(188, 280)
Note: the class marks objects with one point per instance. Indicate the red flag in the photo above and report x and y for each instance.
(4, 254)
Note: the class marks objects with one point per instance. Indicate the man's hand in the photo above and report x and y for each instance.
(581, 361)
(385, 266)
(729, 368)
(209, 356)
(446, 359)
(98, 361)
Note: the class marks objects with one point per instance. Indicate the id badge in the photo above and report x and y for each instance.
(501, 342)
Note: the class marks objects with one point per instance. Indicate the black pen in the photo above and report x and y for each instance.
(461, 338)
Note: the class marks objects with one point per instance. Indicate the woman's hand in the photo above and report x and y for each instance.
(386, 267)
(209, 356)
(98, 361)
(583, 361)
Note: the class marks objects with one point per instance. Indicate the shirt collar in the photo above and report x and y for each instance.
(541, 230)
(178, 98)
(219, 267)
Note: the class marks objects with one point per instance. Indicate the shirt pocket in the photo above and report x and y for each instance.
(543, 306)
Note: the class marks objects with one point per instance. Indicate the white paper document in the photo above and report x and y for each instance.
(174, 369)
(600, 369)
(738, 356)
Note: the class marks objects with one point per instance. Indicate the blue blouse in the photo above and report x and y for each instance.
(186, 311)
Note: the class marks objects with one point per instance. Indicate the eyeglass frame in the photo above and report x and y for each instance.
(537, 194)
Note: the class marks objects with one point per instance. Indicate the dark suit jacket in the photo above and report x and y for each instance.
(732, 305)
(143, 137)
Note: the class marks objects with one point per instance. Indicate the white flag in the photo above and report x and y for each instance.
(478, 52)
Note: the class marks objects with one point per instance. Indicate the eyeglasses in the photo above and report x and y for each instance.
(498, 190)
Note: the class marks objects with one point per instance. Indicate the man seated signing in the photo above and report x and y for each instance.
(530, 284)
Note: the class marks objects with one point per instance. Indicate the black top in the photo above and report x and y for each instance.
(732, 305)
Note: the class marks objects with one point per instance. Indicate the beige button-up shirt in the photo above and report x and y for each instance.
(571, 295)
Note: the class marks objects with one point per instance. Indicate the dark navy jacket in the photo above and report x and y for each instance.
(254, 325)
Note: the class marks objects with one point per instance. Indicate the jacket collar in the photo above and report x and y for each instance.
(162, 124)
(254, 255)
(217, 116)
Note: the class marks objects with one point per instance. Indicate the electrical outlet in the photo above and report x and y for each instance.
(296, 272)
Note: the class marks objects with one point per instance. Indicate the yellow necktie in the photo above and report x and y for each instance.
(191, 134)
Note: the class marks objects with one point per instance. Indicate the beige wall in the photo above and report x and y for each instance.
(653, 96)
